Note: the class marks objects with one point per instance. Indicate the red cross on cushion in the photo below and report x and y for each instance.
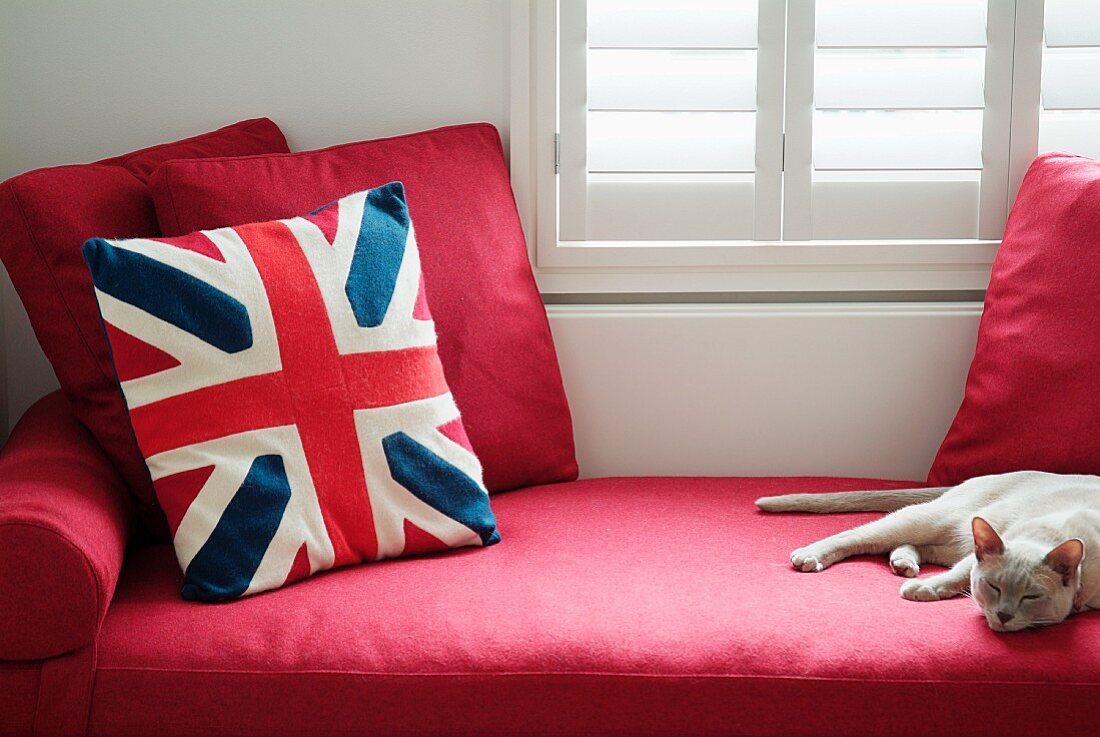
(283, 385)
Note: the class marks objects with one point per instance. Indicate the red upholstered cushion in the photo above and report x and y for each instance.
(45, 217)
(1032, 399)
(64, 522)
(494, 339)
(624, 606)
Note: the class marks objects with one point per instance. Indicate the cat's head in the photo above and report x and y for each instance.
(1024, 584)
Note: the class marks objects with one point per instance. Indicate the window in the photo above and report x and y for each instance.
(818, 144)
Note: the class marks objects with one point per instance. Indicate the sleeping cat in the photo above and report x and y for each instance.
(1020, 542)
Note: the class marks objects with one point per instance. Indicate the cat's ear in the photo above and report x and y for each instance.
(986, 539)
(1065, 558)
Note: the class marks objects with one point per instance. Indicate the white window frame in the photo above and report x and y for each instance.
(565, 267)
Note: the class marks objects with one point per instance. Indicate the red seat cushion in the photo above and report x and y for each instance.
(45, 217)
(627, 606)
(1031, 400)
(494, 339)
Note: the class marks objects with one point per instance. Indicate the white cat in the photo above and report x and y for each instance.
(1036, 572)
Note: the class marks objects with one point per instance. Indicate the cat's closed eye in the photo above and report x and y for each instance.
(1031, 597)
(990, 585)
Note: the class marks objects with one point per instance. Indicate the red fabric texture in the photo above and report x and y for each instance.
(64, 696)
(64, 522)
(1031, 400)
(494, 339)
(18, 693)
(623, 606)
(45, 217)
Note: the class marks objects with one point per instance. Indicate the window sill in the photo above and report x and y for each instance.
(727, 267)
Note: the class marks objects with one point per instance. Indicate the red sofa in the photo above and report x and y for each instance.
(615, 606)
(612, 606)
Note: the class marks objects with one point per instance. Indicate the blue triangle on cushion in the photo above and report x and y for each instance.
(170, 294)
(440, 485)
(379, 250)
(225, 564)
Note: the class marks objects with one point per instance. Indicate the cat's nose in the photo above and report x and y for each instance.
(1005, 617)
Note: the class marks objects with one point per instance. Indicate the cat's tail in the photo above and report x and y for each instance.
(850, 501)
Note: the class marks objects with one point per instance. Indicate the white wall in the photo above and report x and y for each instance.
(92, 78)
(809, 389)
(757, 390)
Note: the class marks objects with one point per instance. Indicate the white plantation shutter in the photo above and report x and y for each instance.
(660, 121)
(853, 144)
(903, 119)
(1069, 119)
(769, 120)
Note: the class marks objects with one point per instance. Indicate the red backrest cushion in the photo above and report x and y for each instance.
(494, 339)
(1032, 398)
(45, 217)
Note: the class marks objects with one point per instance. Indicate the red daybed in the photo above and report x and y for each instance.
(624, 606)
(614, 606)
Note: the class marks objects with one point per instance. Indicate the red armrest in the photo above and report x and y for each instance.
(65, 516)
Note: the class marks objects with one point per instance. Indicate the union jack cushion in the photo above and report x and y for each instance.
(283, 385)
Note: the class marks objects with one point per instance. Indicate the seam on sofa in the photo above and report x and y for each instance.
(100, 608)
(93, 675)
(234, 730)
(596, 674)
(37, 697)
(338, 146)
(53, 279)
(58, 167)
(201, 137)
(171, 200)
(61, 667)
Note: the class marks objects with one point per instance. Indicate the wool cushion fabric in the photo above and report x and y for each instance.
(1031, 399)
(285, 390)
(45, 217)
(494, 339)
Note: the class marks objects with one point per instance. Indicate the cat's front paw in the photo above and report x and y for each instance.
(809, 560)
(906, 567)
(920, 591)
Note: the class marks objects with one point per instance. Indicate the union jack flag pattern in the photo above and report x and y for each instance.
(284, 388)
